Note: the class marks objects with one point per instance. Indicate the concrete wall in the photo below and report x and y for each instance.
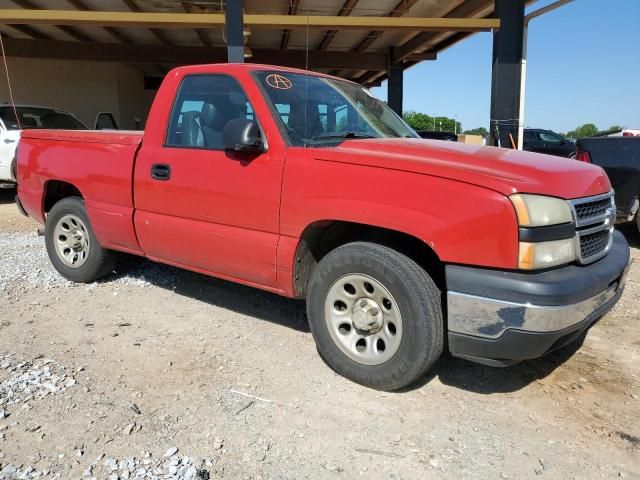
(83, 88)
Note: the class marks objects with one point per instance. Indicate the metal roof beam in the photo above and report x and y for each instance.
(202, 35)
(135, 9)
(286, 34)
(30, 31)
(213, 20)
(318, 59)
(72, 32)
(399, 10)
(329, 35)
(420, 41)
(114, 32)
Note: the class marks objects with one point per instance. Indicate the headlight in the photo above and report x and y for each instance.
(546, 254)
(540, 211)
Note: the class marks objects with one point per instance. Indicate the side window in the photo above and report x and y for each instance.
(550, 138)
(530, 136)
(203, 106)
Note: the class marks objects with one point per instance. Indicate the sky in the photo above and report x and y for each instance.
(583, 66)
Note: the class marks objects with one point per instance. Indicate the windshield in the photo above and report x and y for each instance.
(317, 112)
(37, 117)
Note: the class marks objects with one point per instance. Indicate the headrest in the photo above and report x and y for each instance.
(208, 114)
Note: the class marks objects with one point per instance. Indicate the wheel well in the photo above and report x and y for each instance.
(320, 238)
(56, 190)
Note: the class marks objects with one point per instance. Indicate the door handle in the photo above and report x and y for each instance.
(160, 171)
(9, 140)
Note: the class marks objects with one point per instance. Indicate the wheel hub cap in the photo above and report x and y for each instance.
(71, 240)
(367, 315)
(363, 319)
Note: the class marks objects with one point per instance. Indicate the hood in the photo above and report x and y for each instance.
(499, 169)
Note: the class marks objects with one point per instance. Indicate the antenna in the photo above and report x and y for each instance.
(6, 69)
(306, 79)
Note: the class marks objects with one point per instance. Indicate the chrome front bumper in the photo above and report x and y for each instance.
(501, 317)
(490, 318)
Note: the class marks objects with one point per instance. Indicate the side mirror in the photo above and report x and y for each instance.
(242, 135)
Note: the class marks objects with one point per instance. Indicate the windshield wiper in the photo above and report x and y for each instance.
(343, 135)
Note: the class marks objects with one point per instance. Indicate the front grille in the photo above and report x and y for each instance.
(594, 243)
(594, 218)
(589, 210)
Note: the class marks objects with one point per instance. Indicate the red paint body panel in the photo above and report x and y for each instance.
(463, 223)
(500, 169)
(119, 137)
(241, 220)
(101, 171)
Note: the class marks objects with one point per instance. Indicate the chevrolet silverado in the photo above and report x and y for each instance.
(306, 185)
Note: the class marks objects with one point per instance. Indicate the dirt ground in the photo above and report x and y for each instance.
(155, 358)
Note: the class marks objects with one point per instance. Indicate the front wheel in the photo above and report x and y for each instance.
(375, 315)
(71, 244)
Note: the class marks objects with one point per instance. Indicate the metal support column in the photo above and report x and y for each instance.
(505, 81)
(395, 74)
(234, 31)
(523, 72)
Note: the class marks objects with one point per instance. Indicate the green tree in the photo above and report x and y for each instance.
(418, 121)
(483, 132)
(422, 121)
(586, 130)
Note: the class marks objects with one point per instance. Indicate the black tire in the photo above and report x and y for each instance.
(99, 263)
(419, 302)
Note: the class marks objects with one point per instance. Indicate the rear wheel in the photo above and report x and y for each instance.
(73, 249)
(375, 315)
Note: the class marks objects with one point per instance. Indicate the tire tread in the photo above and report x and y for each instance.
(425, 295)
(101, 261)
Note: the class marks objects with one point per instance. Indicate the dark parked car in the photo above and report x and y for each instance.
(435, 135)
(620, 158)
(546, 141)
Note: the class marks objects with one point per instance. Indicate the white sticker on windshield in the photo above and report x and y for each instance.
(278, 81)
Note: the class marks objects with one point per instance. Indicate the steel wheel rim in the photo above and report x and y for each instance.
(72, 241)
(363, 319)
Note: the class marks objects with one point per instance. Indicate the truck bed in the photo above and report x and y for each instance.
(97, 163)
(620, 158)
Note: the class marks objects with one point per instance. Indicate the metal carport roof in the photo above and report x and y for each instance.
(356, 39)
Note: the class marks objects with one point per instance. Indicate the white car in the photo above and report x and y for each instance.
(29, 116)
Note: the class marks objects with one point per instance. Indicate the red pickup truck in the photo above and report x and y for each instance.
(307, 186)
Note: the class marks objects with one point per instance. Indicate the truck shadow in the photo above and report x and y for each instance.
(216, 292)
(7, 195)
(631, 233)
(482, 379)
(261, 305)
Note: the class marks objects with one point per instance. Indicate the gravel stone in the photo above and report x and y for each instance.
(24, 265)
(172, 451)
(32, 379)
(168, 467)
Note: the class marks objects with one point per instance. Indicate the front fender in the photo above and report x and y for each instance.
(462, 223)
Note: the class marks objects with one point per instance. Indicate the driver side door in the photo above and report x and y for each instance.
(200, 206)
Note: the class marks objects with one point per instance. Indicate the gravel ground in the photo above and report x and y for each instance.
(161, 373)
